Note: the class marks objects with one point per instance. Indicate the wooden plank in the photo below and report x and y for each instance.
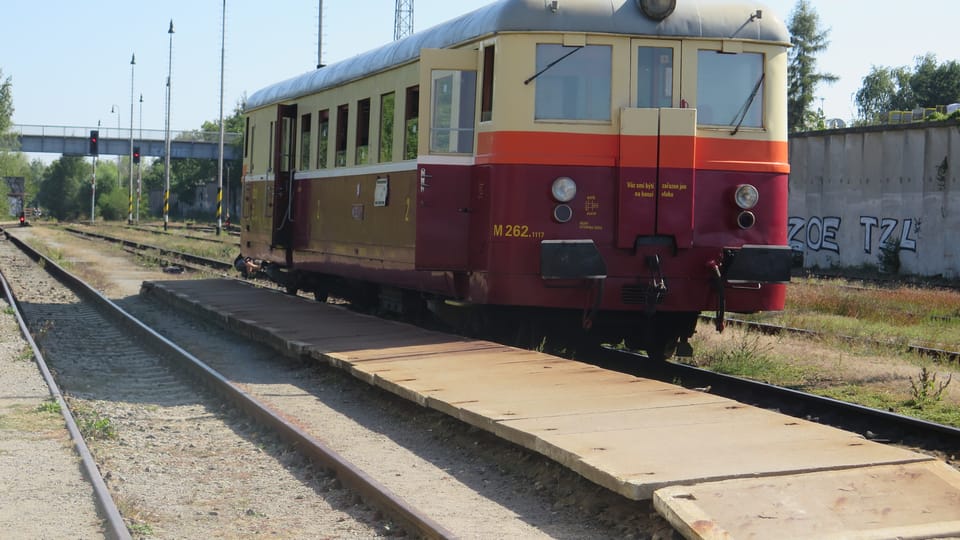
(918, 500)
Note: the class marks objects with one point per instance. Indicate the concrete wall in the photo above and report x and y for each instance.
(854, 190)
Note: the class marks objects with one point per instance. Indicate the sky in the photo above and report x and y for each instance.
(69, 61)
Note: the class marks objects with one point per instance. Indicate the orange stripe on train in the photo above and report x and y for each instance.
(548, 148)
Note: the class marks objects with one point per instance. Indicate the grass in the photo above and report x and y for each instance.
(898, 315)
(861, 354)
(750, 358)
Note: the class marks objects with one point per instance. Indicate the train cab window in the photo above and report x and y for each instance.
(573, 83)
(323, 135)
(452, 111)
(729, 89)
(486, 93)
(387, 111)
(654, 77)
(340, 148)
(305, 127)
(411, 120)
(363, 132)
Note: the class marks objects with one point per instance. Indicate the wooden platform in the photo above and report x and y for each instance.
(723, 469)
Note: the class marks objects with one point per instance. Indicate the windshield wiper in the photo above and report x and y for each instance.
(742, 113)
(551, 64)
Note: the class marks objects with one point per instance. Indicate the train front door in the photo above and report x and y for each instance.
(657, 150)
(448, 105)
(284, 158)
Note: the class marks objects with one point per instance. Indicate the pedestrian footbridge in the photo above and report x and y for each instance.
(75, 141)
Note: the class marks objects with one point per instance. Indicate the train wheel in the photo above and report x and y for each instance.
(320, 295)
(292, 290)
(662, 350)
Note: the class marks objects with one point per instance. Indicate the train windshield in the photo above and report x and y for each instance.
(730, 89)
(573, 86)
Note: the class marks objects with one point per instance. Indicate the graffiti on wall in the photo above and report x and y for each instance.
(818, 233)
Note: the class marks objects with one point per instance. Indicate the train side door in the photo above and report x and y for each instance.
(448, 110)
(284, 160)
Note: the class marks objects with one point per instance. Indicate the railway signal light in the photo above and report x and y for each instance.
(23, 219)
(136, 154)
(94, 142)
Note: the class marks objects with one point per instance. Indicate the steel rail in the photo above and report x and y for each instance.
(115, 525)
(410, 518)
(204, 261)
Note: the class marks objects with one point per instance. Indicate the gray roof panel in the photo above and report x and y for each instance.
(692, 18)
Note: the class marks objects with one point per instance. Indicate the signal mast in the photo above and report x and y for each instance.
(403, 19)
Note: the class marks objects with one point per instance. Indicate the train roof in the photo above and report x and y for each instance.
(692, 18)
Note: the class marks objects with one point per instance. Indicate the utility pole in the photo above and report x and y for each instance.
(139, 176)
(93, 185)
(320, 35)
(166, 150)
(223, 38)
(133, 62)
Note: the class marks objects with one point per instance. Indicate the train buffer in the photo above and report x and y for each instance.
(715, 468)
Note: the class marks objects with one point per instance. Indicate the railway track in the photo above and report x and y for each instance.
(263, 390)
(873, 423)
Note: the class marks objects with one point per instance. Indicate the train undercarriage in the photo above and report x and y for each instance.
(565, 332)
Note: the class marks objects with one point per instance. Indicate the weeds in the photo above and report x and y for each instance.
(926, 390)
(92, 425)
(51, 407)
(748, 356)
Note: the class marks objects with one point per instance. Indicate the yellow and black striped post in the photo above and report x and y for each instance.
(166, 208)
(219, 208)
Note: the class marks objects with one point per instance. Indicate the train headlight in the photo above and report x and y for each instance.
(564, 189)
(657, 10)
(746, 196)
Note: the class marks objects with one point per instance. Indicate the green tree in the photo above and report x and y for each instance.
(883, 90)
(186, 175)
(6, 112)
(934, 84)
(808, 39)
(63, 186)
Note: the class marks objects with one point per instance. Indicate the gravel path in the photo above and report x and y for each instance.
(44, 493)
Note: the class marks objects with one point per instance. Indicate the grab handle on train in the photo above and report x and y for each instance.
(423, 179)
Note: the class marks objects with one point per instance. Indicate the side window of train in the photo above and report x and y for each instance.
(387, 111)
(246, 138)
(654, 77)
(270, 138)
(486, 96)
(573, 83)
(729, 89)
(323, 135)
(453, 111)
(363, 132)
(305, 129)
(253, 137)
(340, 149)
(411, 120)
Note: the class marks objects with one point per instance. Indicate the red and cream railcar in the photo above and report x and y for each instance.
(605, 167)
